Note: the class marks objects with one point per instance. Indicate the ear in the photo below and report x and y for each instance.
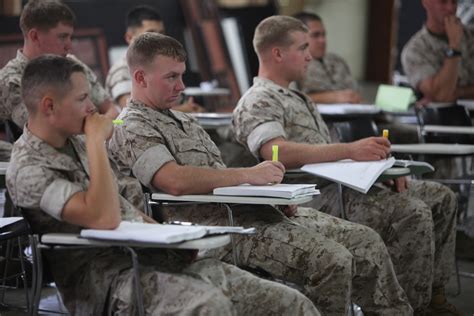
(33, 35)
(277, 54)
(46, 105)
(128, 36)
(139, 78)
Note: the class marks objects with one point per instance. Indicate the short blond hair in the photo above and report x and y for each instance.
(275, 31)
(144, 49)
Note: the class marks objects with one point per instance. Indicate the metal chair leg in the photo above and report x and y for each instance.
(37, 275)
(138, 287)
(341, 201)
(235, 258)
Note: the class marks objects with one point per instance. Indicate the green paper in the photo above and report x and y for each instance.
(393, 98)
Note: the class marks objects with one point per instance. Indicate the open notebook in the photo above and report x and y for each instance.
(287, 191)
(357, 175)
(159, 233)
(416, 167)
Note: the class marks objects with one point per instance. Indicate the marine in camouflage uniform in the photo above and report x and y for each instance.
(423, 57)
(322, 261)
(326, 74)
(41, 179)
(118, 80)
(424, 54)
(418, 226)
(11, 105)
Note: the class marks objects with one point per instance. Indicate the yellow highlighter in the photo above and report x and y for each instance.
(274, 152)
(385, 135)
(117, 122)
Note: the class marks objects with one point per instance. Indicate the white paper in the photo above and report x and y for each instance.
(357, 175)
(281, 190)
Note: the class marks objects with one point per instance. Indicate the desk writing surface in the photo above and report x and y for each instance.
(467, 103)
(74, 240)
(347, 109)
(213, 120)
(434, 149)
(197, 91)
(209, 198)
(3, 167)
(449, 129)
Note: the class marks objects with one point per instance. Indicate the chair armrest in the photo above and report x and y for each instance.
(462, 130)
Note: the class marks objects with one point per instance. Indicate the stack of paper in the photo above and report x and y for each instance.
(159, 233)
(287, 191)
(357, 175)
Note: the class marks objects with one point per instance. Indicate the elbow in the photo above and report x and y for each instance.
(176, 188)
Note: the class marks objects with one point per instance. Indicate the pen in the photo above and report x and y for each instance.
(275, 153)
(117, 122)
(385, 134)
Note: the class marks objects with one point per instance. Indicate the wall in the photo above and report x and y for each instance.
(346, 25)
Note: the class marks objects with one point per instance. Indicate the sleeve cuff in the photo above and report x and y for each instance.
(262, 134)
(121, 88)
(56, 196)
(150, 162)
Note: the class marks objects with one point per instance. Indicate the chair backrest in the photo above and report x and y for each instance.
(454, 115)
(12, 131)
(352, 130)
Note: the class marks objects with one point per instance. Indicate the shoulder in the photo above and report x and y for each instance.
(12, 72)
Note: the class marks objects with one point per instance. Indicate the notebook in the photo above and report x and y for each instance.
(159, 233)
(416, 167)
(287, 191)
(357, 175)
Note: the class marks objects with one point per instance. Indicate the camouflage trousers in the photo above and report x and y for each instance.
(418, 227)
(205, 287)
(332, 260)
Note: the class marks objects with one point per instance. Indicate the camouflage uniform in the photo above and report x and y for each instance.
(326, 74)
(424, 54)
(118, 80)
(41, 179)
(320, 260)
(11, 104)
(418, 226)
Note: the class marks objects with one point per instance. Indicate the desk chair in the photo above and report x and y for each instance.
(444, 116)
(12, 131)
(159, 199)
(11, 233)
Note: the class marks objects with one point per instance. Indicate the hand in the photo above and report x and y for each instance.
(372, 148)
(348, 96)
(189, 106)
(98, 126)
(399, 184)
(265, 172)
(454, 31)
(289, 210)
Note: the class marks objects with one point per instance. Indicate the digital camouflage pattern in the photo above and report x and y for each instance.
(118, 80)
(171, 285)
(424, 54)
(327, 74)
(418, 227)
(321, 261)
(11, 104)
